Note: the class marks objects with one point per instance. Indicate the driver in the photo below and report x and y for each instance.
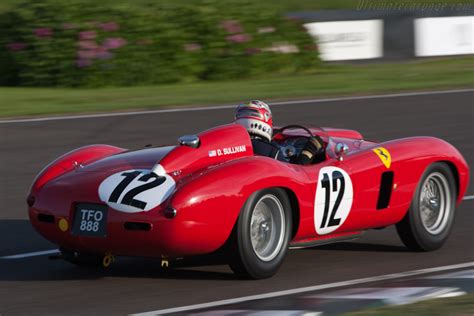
(256, 117)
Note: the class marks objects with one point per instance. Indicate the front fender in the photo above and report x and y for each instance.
(210, 203)
(413, 155)
(409, 159)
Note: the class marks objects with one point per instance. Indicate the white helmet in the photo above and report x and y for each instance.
(256, 117)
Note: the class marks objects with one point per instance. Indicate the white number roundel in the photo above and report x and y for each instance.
(136, 190)
(333, 200)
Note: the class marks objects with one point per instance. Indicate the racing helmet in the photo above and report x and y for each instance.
(256, 117)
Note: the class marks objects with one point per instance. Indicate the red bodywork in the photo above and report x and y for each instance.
(211, 189)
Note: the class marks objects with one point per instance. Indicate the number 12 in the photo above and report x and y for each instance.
(337, 177)
(129, 197)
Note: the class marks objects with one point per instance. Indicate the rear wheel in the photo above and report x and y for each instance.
(261, 236)
(429, 220)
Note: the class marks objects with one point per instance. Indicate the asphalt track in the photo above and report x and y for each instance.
(39, 286)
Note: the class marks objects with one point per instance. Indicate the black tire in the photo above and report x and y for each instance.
(245, 260)
(414, 230)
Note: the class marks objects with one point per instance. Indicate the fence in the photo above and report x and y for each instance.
(384, 31)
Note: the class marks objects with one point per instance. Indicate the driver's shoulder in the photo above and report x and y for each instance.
(263, 147)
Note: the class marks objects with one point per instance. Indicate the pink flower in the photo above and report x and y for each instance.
(87, 45)
(69, 26)
(192, 47)
(238, 38)
(81, 63)
(109, 27)
(15, 47)
(43, 32)
(232, 26)
(102, 53)
(87, 35)
(86, 54)
(114, 43)
(98, 53)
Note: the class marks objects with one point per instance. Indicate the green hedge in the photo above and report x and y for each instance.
(82, 44)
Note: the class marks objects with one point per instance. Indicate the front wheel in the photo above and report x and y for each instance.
(261, 236)
(429, 220)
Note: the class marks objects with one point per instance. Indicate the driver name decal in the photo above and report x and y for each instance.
(227, 151)
(137, 190)
(333, 201)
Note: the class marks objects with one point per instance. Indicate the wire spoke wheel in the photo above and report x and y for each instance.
(260, 238)
(267, 227)
(435, 201)
(429, 220)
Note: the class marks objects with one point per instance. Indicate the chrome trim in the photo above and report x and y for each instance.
(192, 141)
(170, 212)
(435, 203)
(341, 150)
(267, 228)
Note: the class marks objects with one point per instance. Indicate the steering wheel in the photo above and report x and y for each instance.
(290, 151)
(293, 127)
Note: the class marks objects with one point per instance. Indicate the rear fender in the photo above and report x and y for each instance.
(210, 204)
(75, 158)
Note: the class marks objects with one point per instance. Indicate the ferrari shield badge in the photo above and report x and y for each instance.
(384, 156)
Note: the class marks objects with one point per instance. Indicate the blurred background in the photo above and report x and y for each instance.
(83, 56)
(86, 56)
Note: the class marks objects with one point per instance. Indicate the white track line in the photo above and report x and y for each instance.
(52, 251)
(220, 107)
(306, 289)
(31, 254)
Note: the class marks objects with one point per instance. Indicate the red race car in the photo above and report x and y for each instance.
(215, 191)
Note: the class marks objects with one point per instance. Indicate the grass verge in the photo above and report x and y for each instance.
(455, 306)
(331, 80)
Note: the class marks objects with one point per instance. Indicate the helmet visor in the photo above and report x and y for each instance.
(241, 113)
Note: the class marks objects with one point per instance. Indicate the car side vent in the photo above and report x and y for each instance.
(137, 226)
(46, 218)
(386, 185)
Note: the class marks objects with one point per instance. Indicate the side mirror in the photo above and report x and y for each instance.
(341, 150)
(190, 141)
